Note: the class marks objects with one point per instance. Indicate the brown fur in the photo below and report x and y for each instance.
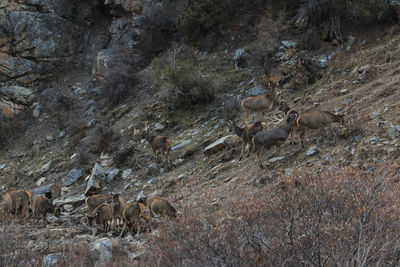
(160, 144)
(246, 134)
(273, 137)
(261, 103)
(41, 205)
(119, 206)
(160, 206)
(132, 216)
(17, 201)
(94, 201)
(102, 215)
(289, 112)
(315, 120)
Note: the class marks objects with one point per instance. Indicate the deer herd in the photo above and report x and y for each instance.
(109, 210)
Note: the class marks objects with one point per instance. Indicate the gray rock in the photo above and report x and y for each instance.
(344, 91)
(288, 44)
(138, 182)
(103, 247)
(171, 182)
(182, 144)
(152, 181)
(158, 126)
(257, 90)
(374, 114)
(152, 168)
(178, 161)
(321, 61)
(96, 181)
(72, 176)
(36, 111)
(68, 207)
(346, 101)
(49, 138)
(140, 195)
(394, 132)
(111, 174)
(89, 111)
(312, 151)
(181, 176)
(238, 54)
(216, 146)
(126, 174)
(97, 90)
(91, 123)
(17, 94)
(2, 166)
(126, 187)
(275, 159)
(51, 260)
(75, 200)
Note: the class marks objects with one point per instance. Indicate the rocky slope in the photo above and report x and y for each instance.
(62, 143)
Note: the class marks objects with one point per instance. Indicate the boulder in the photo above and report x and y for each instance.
(182, 144)
(75, 200)
(104, 248)
(72, 176)
(52, 259)
(96, 181)
(216, 146)
(111, 174)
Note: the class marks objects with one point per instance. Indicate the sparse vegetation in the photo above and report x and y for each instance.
(335, 217)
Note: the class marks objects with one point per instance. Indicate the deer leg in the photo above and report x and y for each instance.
(250, 146)
(259, 152)
(302, 134)
(241, 152)
(246, 117)
(123, 229)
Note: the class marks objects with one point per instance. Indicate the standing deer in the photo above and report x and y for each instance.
(315, 120)
(261, 103)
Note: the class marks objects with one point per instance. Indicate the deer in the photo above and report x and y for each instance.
(273, 137)
(158, 206)
(17, 201)
(119, 206)
(246, 134)
(41, 205)
(102, 215)
(94, 201)
(315, 120)
(283, 107)
(159, 144)
(132, 216)
(261, 103)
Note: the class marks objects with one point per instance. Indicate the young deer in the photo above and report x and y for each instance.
(273, 137)
(159, 144)
(315, 120)
(246, 134)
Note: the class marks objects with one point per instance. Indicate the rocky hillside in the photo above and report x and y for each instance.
(82, 80)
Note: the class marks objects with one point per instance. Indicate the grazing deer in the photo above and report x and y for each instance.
(17, 201)
(132, 216)
(261, 103)
(246, 134)
(315, 120)
(102, 215)
(283, 107)
(273, 137)
(159, 144)
(158, 206)
(41, 205)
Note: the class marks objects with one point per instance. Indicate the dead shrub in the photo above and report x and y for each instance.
(103, 139)
(122, 155)
(120, 83)
(341, 216)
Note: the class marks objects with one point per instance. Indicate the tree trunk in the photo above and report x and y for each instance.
(325, 14)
